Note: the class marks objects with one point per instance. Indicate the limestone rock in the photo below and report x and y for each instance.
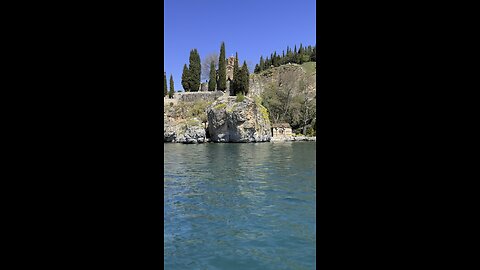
(232, 121)
(182, 130)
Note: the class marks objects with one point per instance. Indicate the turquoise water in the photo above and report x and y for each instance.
(240, 206)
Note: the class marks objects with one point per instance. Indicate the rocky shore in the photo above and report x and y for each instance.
(294, 139)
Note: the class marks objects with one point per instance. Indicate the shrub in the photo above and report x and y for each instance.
(220, 106)
(240, 97)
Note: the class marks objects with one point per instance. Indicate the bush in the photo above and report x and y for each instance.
(311, 132)
(240, 97)
(220, 106)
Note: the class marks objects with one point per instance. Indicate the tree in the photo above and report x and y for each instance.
(165, 90)
(294, 56)
(244, 84)
(172, 90)
(213, 77)
(300, 54)
(185, 78)
(235, 82)
(262, 64)
(256, 70)
(313, 56)
(206, 65)
(222, 69)
(194, 71)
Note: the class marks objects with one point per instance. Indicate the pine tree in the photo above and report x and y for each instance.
(165, 90)
(194, 71)
(172, 90)
(222, 69)
(185, 78)
(213, 77)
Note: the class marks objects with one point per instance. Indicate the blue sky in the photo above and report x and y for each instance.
(249, 27)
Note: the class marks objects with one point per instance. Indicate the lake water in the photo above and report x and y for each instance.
(240, 206)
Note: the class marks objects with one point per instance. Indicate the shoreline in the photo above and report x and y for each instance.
(272, 140)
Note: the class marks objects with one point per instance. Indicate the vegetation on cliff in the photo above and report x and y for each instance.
(308, 54)
(289, 94)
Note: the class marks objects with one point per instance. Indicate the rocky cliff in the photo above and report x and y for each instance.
(185, 122)
(198, 117)
(233, 120)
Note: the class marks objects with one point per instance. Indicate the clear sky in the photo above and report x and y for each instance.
(250, 27)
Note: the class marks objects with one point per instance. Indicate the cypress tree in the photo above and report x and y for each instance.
(213, 77)
(165, 90)
(222, 69)
(172, 90)
(194, 71)
(245, 78)
(185, 78)
(235, 82)
(256, 70)
(262, 64)
(300, 54)
(294, 55)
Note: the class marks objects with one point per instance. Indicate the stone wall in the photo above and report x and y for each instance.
(207, 96)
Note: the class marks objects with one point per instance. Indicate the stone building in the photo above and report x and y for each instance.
(281, 130)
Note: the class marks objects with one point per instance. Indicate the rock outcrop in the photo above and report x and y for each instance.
(179, 126)
(230, 120)
(190, 131)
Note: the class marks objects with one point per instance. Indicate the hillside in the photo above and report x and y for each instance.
(288, 75)
(289, 94)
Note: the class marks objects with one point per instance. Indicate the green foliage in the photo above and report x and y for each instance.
(240, 97)
(189, 110)
(309, 67)
(311, 132)
(192, 122)
(165, 90)
(185, 78)
(256, 70)
(244, 79)
(212, 80)
(195, 70)
(220, 106)
(234, 85)
(298, 57)
(222, 69)
(172, 89)
(264, 112)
